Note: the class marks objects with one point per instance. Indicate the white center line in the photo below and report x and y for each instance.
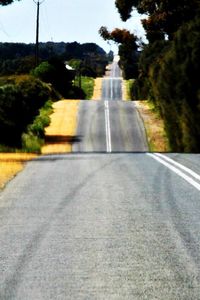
(176, 170)
(111, 88)
(107, 126)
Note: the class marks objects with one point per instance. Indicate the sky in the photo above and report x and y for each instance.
(64, 20)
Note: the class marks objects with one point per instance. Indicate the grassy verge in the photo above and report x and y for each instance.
(126, 89)
(60, 134)
(87, 85)
(11, 164)
(33, 139)
(154, 126)
(97, 89)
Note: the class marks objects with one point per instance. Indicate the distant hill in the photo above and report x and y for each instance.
(19, 58)
(46, 50)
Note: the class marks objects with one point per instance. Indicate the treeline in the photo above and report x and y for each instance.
(19, 58)
(27, 91)
(169, 65)
(128, 50)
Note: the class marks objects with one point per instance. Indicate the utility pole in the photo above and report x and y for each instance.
(38, 3)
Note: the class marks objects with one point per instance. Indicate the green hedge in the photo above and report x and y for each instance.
(20, 103)
(176, 88)
(169, 76)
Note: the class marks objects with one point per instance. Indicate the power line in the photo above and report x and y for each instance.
(38, 3)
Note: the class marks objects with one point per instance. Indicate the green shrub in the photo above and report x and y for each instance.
(33, 139)
(55, 72)
(87, 86)
(31, 143)
(19, 105)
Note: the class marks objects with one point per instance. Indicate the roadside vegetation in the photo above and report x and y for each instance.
(87, 85)
(21, 98)
(165, 69)
(33, 138)
(128, 86)
(28, 92)
(153, 123)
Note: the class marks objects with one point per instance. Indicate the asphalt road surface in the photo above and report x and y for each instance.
(103, 226)
(110, 125)
(112, 84)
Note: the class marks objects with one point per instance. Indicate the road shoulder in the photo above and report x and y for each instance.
(11, 164)
(97, 89)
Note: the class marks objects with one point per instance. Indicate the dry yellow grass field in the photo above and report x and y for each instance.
(125, 95)
(62, 129)
(154, 127)
(97, 89)
(11, 164)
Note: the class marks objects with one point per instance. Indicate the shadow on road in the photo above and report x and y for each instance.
(60, 139)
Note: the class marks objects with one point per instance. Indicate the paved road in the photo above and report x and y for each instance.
(112, 84)
(101, 226)
(110, 125)
(112, 89)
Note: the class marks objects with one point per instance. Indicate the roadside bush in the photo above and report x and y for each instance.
(55, 72)
(76, 93)
(150, 56)
(87, 87)
(168, 76)
(33, 139)
(19, 105)
(175, 84)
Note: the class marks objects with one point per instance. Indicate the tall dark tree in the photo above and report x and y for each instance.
(168, 66)
(164, 17)
(127, 49)
(6, 2)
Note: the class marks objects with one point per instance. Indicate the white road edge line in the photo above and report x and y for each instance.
(175, 170)
(187, 170)
(107, 126)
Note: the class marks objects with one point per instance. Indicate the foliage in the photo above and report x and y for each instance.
(33, 139)
(125, 8)
(151, 55)
(17, 66)
(129, 85)
(55, 72)
(127, 50)
(19, 104)
(168, 66)
(119, 36)
(175, 86)
(82, 68)
(87, 85)
(18, 58)
(164, 18)
(6, 2)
